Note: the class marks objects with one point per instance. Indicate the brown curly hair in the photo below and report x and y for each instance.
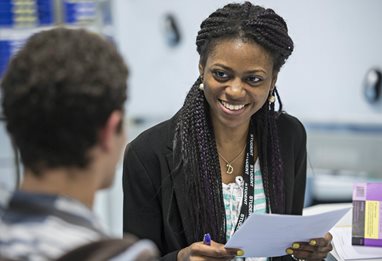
(58, 90)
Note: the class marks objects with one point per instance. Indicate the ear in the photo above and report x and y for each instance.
(201, 70)
(110, 129)
(274, 80)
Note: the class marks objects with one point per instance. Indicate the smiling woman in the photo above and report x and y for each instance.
(238, 77)
(227, 153)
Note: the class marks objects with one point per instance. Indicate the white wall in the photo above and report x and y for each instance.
(336, 42)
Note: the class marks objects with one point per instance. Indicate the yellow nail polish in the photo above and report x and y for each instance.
(312, 242)
(289, 251)
(240, 253)
(296, 245)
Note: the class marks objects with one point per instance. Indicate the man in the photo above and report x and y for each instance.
(63, 102)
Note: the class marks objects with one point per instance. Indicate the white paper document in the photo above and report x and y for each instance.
(270, 235)
(344, 250)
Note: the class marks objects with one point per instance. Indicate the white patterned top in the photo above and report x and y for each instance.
(233, 196)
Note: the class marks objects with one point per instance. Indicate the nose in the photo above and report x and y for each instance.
(235, 89)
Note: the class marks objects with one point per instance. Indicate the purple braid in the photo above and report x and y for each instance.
(196, 156)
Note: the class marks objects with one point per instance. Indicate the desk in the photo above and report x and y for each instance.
(346, 221)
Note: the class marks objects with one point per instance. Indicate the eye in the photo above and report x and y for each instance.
(220, 75)
(254, 80)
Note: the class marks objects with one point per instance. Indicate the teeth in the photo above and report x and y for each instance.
(232, 107)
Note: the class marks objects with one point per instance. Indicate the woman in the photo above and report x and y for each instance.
(192, 174)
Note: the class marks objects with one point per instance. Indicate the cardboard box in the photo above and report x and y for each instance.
(367, 214)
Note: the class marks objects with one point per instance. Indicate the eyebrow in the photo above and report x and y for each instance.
(230, 69)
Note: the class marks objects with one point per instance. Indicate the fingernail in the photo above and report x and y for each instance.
(289, 251)
(240, 253)
(296, 245)
(312, 242)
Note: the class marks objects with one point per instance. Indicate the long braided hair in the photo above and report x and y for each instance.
(195, 151)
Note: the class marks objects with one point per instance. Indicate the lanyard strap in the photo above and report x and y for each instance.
(249, 180)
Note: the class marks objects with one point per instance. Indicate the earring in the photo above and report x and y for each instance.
(201, 85)
(271, 98)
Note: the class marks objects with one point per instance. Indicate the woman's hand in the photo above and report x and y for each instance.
(215, 251)
(315, 249)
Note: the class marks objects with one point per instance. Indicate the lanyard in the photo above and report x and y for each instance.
(249, 180)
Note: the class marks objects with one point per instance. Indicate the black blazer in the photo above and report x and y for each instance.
(155, 199)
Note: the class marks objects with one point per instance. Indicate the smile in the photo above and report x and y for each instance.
(232, 107)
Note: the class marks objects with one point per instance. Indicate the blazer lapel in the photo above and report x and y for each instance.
(180, 194)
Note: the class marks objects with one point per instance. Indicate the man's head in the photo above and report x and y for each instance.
(63, 94)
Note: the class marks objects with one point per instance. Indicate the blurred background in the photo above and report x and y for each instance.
(332, 82)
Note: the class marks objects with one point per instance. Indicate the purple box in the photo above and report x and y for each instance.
(367, 214)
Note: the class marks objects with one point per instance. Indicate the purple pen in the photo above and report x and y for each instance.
(207, 239)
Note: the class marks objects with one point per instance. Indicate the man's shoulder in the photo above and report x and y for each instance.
(128, 248)
(46, 226)
(143, 249)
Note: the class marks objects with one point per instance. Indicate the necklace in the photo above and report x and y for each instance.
(229, 166)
